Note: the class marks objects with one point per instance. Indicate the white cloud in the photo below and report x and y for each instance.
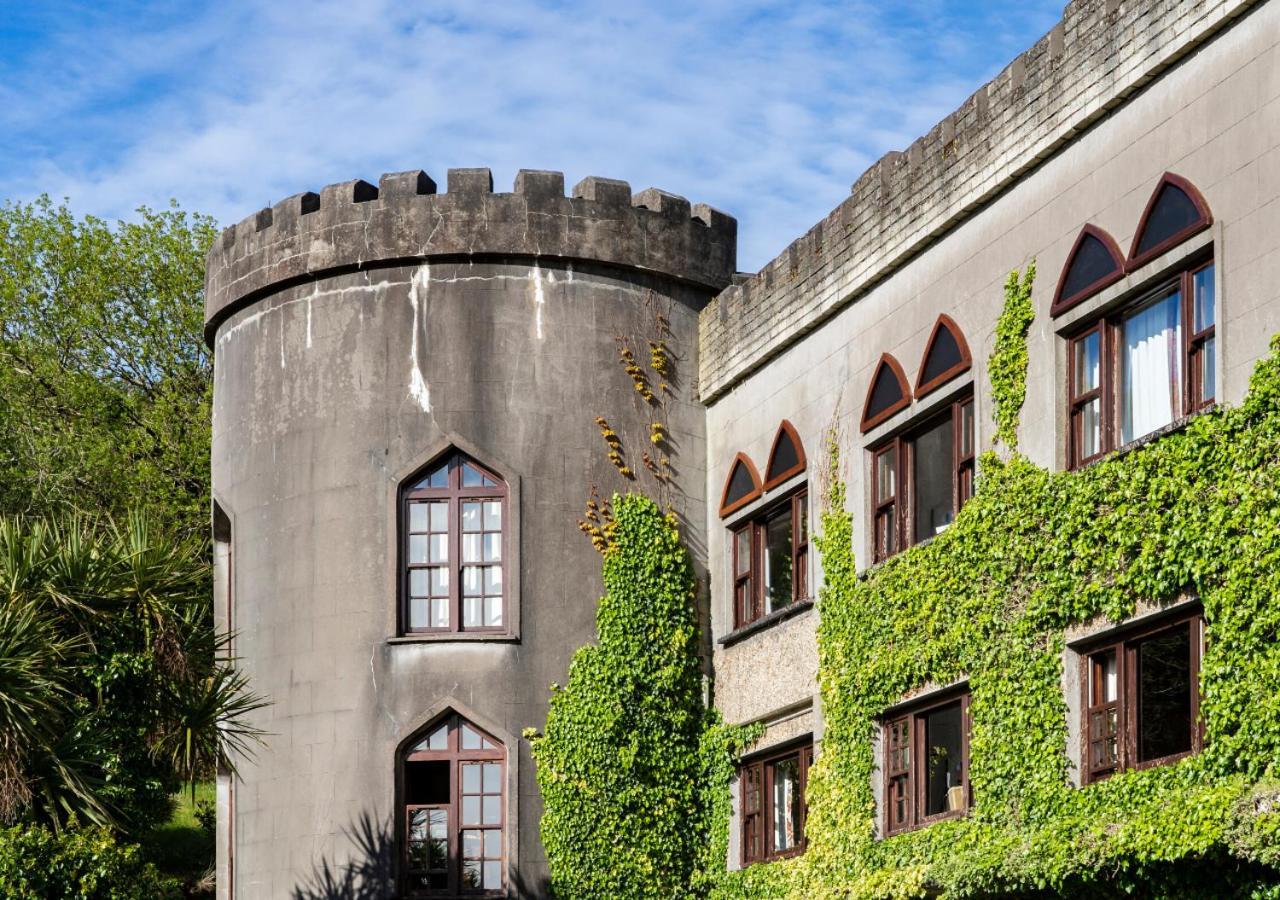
(766, 110)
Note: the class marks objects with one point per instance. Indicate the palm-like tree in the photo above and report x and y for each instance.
(106, 641)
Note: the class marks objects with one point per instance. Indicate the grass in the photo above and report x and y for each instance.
(180, 847)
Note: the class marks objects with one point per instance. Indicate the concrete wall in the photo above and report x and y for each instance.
(801, 340)
(327, 395)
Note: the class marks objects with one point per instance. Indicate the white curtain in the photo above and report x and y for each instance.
(1152, 366)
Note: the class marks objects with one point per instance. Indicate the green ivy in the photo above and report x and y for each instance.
(37, 863)
(1194, 513)
(634, 768)
(1007, 368)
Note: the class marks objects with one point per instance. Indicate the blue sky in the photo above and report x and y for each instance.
(767, 110)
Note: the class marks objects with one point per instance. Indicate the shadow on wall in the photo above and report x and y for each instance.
(370, 875)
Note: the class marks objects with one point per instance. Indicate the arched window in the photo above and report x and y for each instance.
(741, 487)
(887, 394)
(1174, 213)
(945, 356)
(452, 781)
(454, 549)
(786, 457)
(1093, 263)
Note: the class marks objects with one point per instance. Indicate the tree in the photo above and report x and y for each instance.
(104, 376)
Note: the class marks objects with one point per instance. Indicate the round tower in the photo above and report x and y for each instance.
(414, 394)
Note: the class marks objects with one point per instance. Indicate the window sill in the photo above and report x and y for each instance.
(458, 637)
(765, 622)
(1139, 443)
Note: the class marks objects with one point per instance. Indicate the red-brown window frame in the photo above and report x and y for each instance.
(773, 479)
(456, 756)
(748, 580)
(1137, 260)
(1060, 303)
(887, 366)
(455, 494)
(966, 359)
(755, 780)
(1124, 645)
(1108, 326)
(910, 774)
(728, 507)
(900, 504)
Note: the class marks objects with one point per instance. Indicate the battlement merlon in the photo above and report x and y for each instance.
(355, 225)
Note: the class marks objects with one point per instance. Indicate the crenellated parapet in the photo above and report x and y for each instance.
(403, 219)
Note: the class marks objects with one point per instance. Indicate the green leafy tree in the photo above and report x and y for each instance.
(633, 767)
(104, 377)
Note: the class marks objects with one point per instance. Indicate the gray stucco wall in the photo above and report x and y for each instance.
(326, 395)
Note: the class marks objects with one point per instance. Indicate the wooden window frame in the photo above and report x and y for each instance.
(455, 494)
(1124, 644)
(728, 508)
(966, 359)
(1108, 327)
(902, 446)
(1060, 303)
(788, 430)
(759, 771)
(1136, 260)
(887, 363)
(749, 580)
(916, 786)
(456, 757)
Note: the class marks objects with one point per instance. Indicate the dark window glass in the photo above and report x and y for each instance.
(885, 393)
(1173, 212)
(1164, 695)
(944, 354)
(741, 484)
(426, 782)
(932, 471)
(1092, 263)
(778, 560)
(772, 804)
(784, 458)
(944, 748)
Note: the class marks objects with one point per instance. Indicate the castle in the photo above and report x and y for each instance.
(407, 388)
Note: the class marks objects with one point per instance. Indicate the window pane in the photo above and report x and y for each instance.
(473, 843)
(472, 581)
(1208, 379)
(1204, 297)
(492, 580)
(777, 560)
(786, 804)
(743, 600)
(439, 547)
(886, 474)
(933, 465)
(470, 738)
(1105, 685)
(944, 752)
(1088, 361)
(417, 517)
(1090, 416)
(1164, 694)
(966, 429)
(492, 778)
(471, 778)
(493, 843)
(742, 550)
(471, 810)
(439, 516)
(1151, 367)
(471, 520)
(492, 515)
(418, 613)
(802, 509)
(472, 612)
(418, 548)
(492, 547)
(492, 810)
(440, 612)
(471, 547)
(418, 582)
(471, 476)
(471, 873)
(436, 740)
(492, 612)
(439, 582)
(492, 875)
(887, 532)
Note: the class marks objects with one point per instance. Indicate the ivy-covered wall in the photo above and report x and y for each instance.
(1193, 513)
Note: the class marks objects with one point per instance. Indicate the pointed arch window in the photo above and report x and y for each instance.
(786, 457)
(945, 356)
(1174, 213)
(453, 780)
(741, 487)
(1093, 263)
(454, 549)
(889, 393)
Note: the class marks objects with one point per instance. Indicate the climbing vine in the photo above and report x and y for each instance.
(633, 767)
(1194, 514)
(1008, 365)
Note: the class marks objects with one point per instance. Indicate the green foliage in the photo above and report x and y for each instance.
(634, 769)
(110, 691)
(1195, 513)
(76, 864)
(104, 377)
(1007, 367)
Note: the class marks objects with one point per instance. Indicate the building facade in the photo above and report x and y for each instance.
(407, 386)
